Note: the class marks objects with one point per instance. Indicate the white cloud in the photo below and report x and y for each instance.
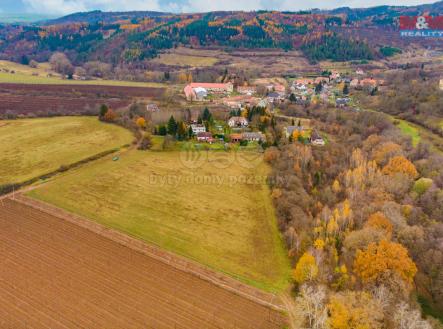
(215, 5)
(69, 6)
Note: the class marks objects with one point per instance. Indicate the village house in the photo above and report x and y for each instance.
(196, 129)
(334, 75)
(289, 130)
(263, 103)
(354, 83)
(303, 81)
(151, 108)
(321, 80)
(316, 139)
(238, 122)
(359, 72)
(192, 89)
(247, 90)
(205, 137)
(235, 138)
(342, 102)
(275, 97)
(253, 136)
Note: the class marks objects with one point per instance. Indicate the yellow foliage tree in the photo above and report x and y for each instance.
(336, 186)
(380, 261)
(319, 244)
(306, 269)
(380, 222)
(400, 164)
(354, 310)
(385, 151)
(141, 122)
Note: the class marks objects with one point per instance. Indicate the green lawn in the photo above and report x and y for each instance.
(34, 147)
(410, 130)
(207, 209)
(42, 79)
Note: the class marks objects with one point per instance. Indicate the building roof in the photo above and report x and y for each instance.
(235, 136)
(252, 135)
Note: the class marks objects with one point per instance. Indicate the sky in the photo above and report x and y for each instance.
(63, 7)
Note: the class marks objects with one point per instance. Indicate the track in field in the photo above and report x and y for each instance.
(54, 274)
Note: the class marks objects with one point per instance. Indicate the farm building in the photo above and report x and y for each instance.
(253, 137)
(194, 90)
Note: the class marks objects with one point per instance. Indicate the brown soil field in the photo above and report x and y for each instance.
(55, 274)
(50, 105)
(82, 90)
(43, 100)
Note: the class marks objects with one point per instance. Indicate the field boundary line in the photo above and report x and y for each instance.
(178, 262)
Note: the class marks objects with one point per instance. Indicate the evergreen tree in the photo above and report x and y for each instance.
(190, 132)
(172, 126)
(206, 116)
(292, 98)
(162, 130)
(346, 89)
(318, 88)
(103, 110)
(181, 131)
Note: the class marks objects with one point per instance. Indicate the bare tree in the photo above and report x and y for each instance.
(61, 64)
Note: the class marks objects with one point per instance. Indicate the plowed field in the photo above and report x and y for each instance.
(54, 274)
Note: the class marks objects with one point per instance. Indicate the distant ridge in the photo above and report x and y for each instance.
(352, 13)
(96, 16)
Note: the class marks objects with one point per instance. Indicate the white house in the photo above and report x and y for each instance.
(198, 129)
(238, 122)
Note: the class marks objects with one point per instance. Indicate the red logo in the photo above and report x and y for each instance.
(421, 23)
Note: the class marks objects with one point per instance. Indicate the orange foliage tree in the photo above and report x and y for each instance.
(380, 261)
(110, 116)
(400, 164)
(380, 222)
(141, 122)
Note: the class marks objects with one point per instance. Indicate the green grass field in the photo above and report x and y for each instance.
(34, 147)
(409, 130)
(39, 75)
(207, 211)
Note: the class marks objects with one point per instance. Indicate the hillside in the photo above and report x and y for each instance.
(133, 38)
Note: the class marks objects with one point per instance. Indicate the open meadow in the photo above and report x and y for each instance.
(34, 147)
(212, 207)
(42, 74)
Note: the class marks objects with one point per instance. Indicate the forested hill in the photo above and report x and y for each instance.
(134, 37)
